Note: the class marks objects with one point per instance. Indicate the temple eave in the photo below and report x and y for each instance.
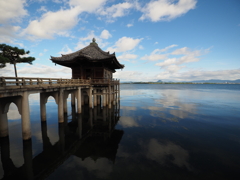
(112, 62)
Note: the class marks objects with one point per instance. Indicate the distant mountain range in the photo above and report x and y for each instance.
(198, 81)
(216, 81)
(211, 81)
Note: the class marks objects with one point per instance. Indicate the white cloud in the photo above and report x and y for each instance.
(232, 74)
(7, 71)
(65, 50)
(167, 62)
(173, 64)
(52, 23)
(184, 50)
(174, 68)
(39, 70)
(167, 48)
(61, 21)
(154, 57)
(126, 75)
(88, 6)
(89, 37)
(127, 57)
(129, 25)
(42, 8)
(115, 11)
(12, 10)
(59, 1)
(105, 34)
(42, 53)
(166, 10)
(124, 44)
(157, 54)
(84, 41)
(8, 33)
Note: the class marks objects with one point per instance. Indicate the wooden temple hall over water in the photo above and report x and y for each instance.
(92, 83)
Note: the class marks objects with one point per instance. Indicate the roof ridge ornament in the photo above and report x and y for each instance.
(94, 42)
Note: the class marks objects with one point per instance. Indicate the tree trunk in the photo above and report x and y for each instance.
(15, 69)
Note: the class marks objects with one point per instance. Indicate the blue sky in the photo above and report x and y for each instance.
(168, 40)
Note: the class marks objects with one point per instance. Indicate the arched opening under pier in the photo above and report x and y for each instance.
(14, 136)
(52, 119)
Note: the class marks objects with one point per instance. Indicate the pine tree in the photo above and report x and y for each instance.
(13, 55)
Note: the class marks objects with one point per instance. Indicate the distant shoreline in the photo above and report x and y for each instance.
(173, 83)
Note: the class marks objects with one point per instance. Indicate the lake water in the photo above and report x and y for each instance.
(158, 131)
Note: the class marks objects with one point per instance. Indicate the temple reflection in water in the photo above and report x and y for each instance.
(89, 134)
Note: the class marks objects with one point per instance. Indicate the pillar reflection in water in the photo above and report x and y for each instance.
(92, 129)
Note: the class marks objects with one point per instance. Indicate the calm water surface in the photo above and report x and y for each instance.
(156, 132)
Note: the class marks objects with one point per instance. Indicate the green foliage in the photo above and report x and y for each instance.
(13, 55)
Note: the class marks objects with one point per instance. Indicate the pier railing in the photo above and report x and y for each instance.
(31, 82)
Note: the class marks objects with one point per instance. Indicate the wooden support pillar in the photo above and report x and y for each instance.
(86, 99)
(43, 107)
(118, 91)
(83, 99)
(65, 103)
(3, 123)
(28, 162)
(118, 109)
(90, 97)
(104, 114)
(80, 126)
(104, 98)
(26, 128)
(95, 97)
(99, 109)
(110, 119)
(5, 155)
(73, 112)
(91, 117)
(73, 99)
(109, 96)
(61, 134)
(99, 98)
(114, 94)
(60, 106)
(95, 114)
(45, 139)
(79, 101)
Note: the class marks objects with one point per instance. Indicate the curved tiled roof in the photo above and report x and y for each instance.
(91, 52)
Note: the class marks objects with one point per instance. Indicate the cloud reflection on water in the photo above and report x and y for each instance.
(167, 153)
(127, 121)
(101, 167)
(170, 105)
(13, 113)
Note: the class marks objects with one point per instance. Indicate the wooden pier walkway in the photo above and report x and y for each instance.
(83, 91)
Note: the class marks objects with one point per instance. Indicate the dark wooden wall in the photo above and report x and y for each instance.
(91, 72)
